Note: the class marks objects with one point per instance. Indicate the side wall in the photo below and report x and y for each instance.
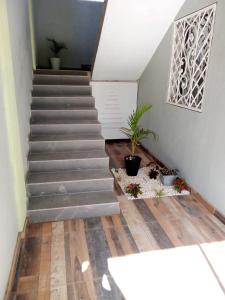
(190, 141)
(74, 22)
(15, 84)
(8, 227)
(19, 26)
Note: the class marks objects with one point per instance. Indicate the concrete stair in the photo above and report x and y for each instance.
(69, 173)
(62, 102)
(70, 206)
(56, 161)
(68, 113)
(45, 90)
(66, 142)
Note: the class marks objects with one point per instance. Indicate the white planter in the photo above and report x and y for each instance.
(55, 63)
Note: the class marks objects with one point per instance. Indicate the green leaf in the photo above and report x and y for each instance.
(136, 133)
(56, 47)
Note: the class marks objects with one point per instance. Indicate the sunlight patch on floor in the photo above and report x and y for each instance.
(215, 253)
(178, 273)
(85, 266)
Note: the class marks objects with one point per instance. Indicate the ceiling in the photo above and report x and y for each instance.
(132, 31)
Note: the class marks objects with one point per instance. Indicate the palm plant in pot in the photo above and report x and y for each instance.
(56, 48)
(136, 133)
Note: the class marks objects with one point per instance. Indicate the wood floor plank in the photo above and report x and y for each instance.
(78, 261)
(154, 227)
(118, 238)
(200, 218)
(58, 288)
(139, 230)
(31, 257)
(45, 268)
(27, 284)
(180, 231)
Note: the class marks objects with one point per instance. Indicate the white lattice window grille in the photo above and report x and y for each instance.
(190, 57)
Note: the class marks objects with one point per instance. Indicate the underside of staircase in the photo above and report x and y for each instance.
(69, 173)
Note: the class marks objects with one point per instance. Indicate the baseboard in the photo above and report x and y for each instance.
(16, 255)
(197, 197)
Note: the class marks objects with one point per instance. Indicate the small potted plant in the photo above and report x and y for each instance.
(154, 173)
(136, 133)
(168, 176)
(134, 189)
(180, 185)
(56, 48)
(159, 192)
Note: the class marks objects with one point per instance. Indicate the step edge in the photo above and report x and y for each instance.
(63, 85)
(69, 97)
(61, 75)
(75, 206)
(58, 141)
(69, 159)
(65, 124)
(67, 181)
(65, 110)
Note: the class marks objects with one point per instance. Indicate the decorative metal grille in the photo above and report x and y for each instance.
(190, 57)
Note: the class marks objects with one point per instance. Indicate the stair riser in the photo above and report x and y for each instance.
(70, 164)
(74, 212)
(62, 146)
(39, 115)
(80, 186)
(65, 128)
(42, 102)
(48, 90)
(61, 80)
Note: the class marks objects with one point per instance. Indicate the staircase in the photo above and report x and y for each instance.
(69, 173)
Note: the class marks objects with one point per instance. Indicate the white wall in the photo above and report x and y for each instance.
(18, 16)
(8, 219)
(131, 32)
(75, 22)
(190, 141)
(15, 85)
(115, 101)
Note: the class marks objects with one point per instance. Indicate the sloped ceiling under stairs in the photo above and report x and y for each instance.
(132, 31)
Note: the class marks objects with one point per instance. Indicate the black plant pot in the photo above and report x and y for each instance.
(132, 164)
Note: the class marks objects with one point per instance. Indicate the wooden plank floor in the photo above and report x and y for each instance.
(72, 259)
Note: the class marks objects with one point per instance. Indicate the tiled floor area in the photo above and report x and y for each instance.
(168, 248)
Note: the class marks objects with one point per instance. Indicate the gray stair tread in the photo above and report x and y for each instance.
(67, 155)
(71, 200)
(69, 76)
(60, 72)
(63, 86)
(63, 97)
(64, 121)
(62, 176)
(63, 107)
(65, 137)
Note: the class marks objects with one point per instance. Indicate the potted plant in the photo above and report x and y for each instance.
(168, 176)
(56, 48)
(136, 133)
(134, 189)
(180, 185)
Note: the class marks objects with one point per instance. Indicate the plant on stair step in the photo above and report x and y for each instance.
(135, 133)
(56, 48)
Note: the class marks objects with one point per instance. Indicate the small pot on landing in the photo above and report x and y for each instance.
(55, 63)
(132, 164)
